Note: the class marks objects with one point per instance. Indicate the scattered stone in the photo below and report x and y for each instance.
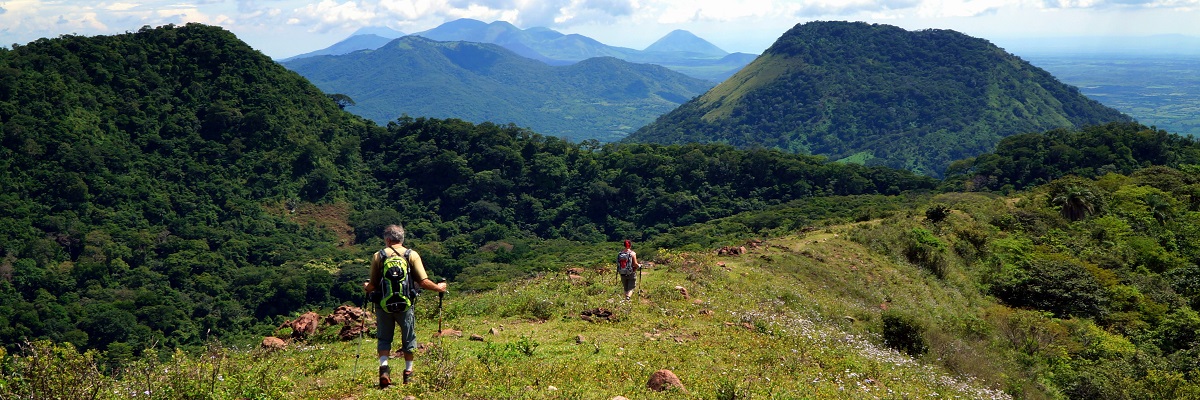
(619, 398)
(493, 331)
(273, 343)
(477, 338)
(575, 271)
(698, 302)
(682, 290)
(706, 312)
(579, 339)
(410, 397)
(576, 279)
(748, 326)
(664, 379)
(595, 314)
(850, 319)
(448, 332)
(551, 388)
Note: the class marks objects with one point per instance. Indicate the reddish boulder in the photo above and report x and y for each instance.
(273, 343)
(664, 379)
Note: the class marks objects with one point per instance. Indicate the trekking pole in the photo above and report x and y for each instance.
(641, 281)
(439, 311)
(361, 333)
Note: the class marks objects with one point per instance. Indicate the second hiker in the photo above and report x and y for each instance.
(627, 266)
(396, 273)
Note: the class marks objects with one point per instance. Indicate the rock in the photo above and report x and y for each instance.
(477, 338)
(351, 331)
(576, 279)
(596, 313)
(448, 332)
(273, 343)
(344, 314)
(682, 290)
(619, 398)
(304, 326)
(493, 331)
(664, 379)
(574, 271)
(410, 397)
(579, 339)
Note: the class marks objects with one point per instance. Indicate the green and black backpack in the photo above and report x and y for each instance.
(397, 289)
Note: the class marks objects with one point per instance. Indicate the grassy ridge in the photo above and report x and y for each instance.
(795, 318)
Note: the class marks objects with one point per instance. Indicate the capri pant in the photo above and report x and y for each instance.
(386, 329)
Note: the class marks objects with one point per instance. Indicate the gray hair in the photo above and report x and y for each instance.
(393, 233)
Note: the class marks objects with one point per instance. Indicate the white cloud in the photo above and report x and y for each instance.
(737, 25)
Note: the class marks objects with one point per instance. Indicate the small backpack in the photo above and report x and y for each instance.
(397, 291)
(625, 263)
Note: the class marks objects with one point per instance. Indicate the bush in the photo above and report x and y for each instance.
(904, 333)
(937, 213)
(1057, 283)
(925, 250)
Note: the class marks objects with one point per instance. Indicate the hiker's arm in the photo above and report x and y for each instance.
(437, 287)
(422, 277)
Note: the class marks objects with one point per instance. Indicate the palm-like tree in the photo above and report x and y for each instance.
(1076, 202)
(1160, 207)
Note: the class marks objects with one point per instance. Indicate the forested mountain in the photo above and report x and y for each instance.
(599, 98)
(880, 95)
(146, 179)
(172, 185)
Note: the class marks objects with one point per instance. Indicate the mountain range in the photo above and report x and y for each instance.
(679, 50)
(600, 98)
(879, 94)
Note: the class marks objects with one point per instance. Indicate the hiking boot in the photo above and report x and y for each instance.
(407, 375)
(385, 376)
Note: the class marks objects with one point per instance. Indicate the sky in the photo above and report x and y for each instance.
(284, 28)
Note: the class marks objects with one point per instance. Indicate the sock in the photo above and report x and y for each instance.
(408, 365)
(383, 361)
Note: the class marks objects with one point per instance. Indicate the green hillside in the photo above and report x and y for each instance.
(959, 295)
(599, 98)
(879, 95)
(172, 185)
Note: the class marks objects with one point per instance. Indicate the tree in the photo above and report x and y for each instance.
(1076, 202)
(342, 100)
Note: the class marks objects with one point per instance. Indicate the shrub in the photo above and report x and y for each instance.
(1057, 283)
(904, 333)
(924, 249)
(937, 213)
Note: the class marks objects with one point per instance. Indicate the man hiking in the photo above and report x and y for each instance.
(394, 254)
(627, 266)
